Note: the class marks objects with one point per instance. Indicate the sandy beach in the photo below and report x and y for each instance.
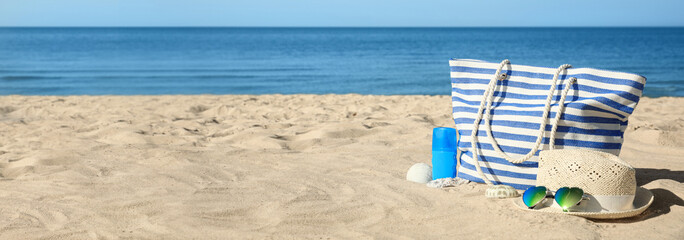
(282, 166)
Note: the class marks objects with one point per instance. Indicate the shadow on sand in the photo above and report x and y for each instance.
(647, 175)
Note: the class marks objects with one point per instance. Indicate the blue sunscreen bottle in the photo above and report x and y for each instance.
(444, 142)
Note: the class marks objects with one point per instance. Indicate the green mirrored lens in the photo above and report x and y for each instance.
(533, 195)
(567, 197)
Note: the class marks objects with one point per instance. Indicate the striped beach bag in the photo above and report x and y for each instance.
(506, 113)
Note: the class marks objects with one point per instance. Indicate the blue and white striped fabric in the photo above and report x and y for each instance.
(595, 114)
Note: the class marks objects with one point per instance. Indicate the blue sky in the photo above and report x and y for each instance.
(465, 13)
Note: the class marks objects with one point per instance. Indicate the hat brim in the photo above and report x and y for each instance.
(642, 199)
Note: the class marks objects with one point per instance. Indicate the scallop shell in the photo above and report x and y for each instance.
(501, 191)
(420, 173)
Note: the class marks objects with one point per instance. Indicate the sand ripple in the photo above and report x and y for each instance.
(279, 166)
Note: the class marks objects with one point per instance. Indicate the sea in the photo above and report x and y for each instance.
(385, 61)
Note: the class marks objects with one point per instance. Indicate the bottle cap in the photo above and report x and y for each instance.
(444, 139)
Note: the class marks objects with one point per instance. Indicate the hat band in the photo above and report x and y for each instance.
(604, 203)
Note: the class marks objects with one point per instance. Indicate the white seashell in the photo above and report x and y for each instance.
(501, 191)
(420, 173)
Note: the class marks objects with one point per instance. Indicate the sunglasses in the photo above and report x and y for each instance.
(565, 197)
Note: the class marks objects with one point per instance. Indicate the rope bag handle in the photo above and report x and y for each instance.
(487, 99)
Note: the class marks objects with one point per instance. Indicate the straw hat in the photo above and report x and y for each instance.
(608, 182)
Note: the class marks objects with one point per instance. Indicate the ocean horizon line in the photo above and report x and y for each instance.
(352, 27)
